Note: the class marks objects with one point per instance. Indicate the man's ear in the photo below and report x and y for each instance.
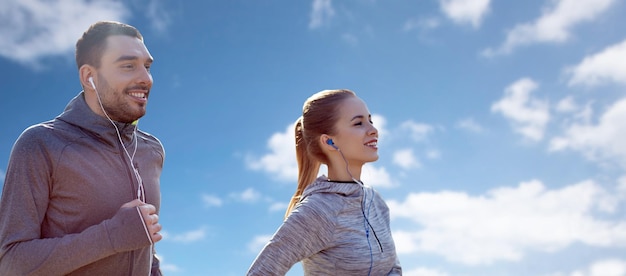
(84, 73)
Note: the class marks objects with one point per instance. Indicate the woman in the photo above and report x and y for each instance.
(335, 225)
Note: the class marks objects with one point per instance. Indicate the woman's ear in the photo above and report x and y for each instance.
(327, 141)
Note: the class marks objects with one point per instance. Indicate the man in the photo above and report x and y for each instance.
(81, 193)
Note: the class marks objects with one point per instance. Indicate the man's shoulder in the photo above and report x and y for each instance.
(151, 140)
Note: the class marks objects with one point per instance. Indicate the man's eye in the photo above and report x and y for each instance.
(147, 68)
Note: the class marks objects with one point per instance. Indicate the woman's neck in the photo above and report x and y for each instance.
(343, 173)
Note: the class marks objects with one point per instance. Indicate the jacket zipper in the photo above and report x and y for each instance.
(128, 164)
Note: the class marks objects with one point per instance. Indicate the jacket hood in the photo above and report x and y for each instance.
(78, 113)
(323, 185)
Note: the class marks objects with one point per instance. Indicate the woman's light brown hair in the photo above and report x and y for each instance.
(319, 115)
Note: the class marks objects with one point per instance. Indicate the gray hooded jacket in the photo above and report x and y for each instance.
(336, 229)
(65, 183)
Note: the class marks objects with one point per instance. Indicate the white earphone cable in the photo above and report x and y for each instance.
(140, 189)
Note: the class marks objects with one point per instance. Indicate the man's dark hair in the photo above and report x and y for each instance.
(91, 45)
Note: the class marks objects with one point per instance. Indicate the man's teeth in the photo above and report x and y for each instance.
(138, 95)
(371, 144)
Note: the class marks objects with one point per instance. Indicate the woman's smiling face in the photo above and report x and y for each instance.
(355, 134)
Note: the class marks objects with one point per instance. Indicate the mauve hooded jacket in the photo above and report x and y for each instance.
(65, 183)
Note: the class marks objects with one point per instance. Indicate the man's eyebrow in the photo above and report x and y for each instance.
(127, 58)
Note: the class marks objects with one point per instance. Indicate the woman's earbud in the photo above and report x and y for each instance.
(331, 143)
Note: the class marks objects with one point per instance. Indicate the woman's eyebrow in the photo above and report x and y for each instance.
(357, 117)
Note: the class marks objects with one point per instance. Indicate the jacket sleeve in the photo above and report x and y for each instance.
(306, 231)
(23, 206)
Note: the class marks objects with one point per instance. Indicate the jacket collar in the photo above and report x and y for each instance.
(322, 185)
(78, 113)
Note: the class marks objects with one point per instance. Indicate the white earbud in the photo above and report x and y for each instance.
(91, 81)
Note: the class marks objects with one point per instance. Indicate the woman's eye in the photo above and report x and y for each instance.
(358, 123)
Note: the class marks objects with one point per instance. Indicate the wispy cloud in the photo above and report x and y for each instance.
(554, 26)
(419, 132)
(566, 105)
(424, 272)
(505, 223)
(406, 159)
(187, 237)
(280, 162)
(470, 124)
(376, 176)
(249, 195)
(258, 242)
(607, 267)
(465, 11)
(423, 24)
(157, 15)
(602, 141)
(32, 30)
(527, 114)
(607, 66)
(212, 200)
(166, 266)
(321, 13)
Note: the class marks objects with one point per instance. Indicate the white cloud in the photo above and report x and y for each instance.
(424, 272)
(465, 11)
(406, 159)
(528, 115)
(258, 243)
(249, 195)
(211, 200)
(433, 154)
(278, 206)
(35, 29)
(566, 105)
(504, 223)
(601, 142)
(604, 67)
(608, 267)
(376, 176)
(470, 124)
(321, 13)
(281, 161)
(158, 16)
(621, 187)
(424, 24)
(554, 25)
(417, 131)
(187, 237)
(381, 124)
(166, 266)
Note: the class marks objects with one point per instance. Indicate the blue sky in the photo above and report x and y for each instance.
(501, 122)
